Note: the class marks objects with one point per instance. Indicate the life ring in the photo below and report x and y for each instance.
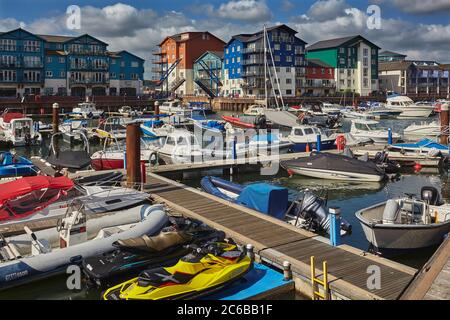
(341, 142)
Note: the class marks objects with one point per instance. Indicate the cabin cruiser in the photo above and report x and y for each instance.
(370, 129)
(305, 135)
(406, 223)
(22, 132)
(254, 110)
(408, 108)
(351, 113)
(268, 144)
(430, 130)
(86, 110)
(334, 167)
(379, 111)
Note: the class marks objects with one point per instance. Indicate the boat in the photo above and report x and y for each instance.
(241, 122)
(254, 110)
(44, 261)
(205, 271)
(371, 129)
(60, 158)
(45, 199)
(350, 113)
(351, 140)
(111, 128)
(172, 106)
(73, 128)
(155, 129)
(430, 130)
(210, 126)
(425, 146)
(269, 144)
(128, 112)
(19, 130)
(86, 110)
(330, 109)
(379, 111)
(13, 165)
(408, 108)
(406, 223)
(305, 135)
(381, 160)
(132, 256)
(274, 201)
(334, 167)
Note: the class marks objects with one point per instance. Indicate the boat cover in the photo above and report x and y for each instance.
(265, 138)
(265, 198)
(425, 143)
(281, 118)
(71, 159)
(155, 123)
(23, 186)
(7, 117)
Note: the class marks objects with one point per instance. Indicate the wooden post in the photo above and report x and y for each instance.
(55, 118)
(156, 110)
(444, 124)
(133, 157)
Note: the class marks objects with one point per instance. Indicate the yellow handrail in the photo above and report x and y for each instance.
(316, 294)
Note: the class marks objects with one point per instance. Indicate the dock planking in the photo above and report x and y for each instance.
(276, 241)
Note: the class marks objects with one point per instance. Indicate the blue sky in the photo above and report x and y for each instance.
(418, 28)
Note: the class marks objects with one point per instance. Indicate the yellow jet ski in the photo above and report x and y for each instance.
(202, 272)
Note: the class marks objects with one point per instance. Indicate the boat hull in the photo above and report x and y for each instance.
(325, 145)
(335, 175)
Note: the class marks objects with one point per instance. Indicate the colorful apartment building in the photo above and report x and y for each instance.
(319, 78)
(355, 60)
(244, 63)
(61, 65)
(175, 60)
(208, 72)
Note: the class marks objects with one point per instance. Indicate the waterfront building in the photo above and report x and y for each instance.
(319, 78)
(61, 65)
(355, 60)
(175, 57)
(208, 74)
(388, 56)
(244, 70)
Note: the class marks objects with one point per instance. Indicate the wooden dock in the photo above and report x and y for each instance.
(276, 241)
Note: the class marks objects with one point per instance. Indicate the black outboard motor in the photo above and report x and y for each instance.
(431, 196)
(260, 122)
(313, 211)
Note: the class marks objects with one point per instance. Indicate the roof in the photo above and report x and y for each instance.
(336, 43)
(20, 29)
(192, 35)
(394, 65)
(51, 38)
(219, 54)
(391, 53)
(131, 54)
(318, 63)
(245, 37)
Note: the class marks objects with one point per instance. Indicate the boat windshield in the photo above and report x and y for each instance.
(366, 126)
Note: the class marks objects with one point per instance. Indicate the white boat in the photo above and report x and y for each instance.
(304, 135)
(380, 111)
(111, 128)
(408, 108)
(128, 111)
(254, 110)
(173, 106)
(353, 114)
(86, 110)
(73, 129)
(331, 109)
(155, 129)
(421, 130)
(370, 129)
(406, 223)
(22, 132)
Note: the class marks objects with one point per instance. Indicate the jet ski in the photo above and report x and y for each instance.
(334, 167)
(132, 256)
(204, 271)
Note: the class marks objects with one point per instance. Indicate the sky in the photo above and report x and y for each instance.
(417, 28)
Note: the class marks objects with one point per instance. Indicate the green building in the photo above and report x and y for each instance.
(355, 60)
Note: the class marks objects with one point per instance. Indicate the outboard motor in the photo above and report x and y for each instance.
(260, 122)
(314, 212)
(431, 196)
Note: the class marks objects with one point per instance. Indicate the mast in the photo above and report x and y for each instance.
(265, 68)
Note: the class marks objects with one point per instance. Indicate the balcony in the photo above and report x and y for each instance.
(33, 65)
(253, 61)
(159, 53)
(11, 48)
(10, 65)
(253, 50)
(86, 52)
(88, 66)
(327, 85)
(74, 81)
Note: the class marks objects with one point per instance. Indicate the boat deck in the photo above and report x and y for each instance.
(275, 242)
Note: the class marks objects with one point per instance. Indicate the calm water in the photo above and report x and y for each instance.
(350, 197)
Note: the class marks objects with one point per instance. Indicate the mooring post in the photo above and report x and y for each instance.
(125, 159)
(335, 226)
(444, 124)
(55, 115)
(133, 154)
(156, 110)
(319, 143)
(389, 136)
(287, 272)
(250, 252)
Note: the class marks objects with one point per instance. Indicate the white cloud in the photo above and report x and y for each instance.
(245, 10)
(420, 6)
(327, 9)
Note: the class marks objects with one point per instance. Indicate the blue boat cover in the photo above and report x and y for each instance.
(425, 143)
(265, 137)
(265, 198)
(153, 123)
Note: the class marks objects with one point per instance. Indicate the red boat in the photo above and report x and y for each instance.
(23, 197)
(239, 123)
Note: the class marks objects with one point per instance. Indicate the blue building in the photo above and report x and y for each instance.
(244, 70)
(208, 72)
(60, 65)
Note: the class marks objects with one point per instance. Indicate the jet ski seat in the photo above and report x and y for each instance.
(158, 243)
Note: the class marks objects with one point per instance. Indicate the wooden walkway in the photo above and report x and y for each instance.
(276, 241)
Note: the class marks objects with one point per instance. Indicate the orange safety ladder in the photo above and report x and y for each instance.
(316, 294)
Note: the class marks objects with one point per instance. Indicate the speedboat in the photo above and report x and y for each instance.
(42, 259)
(408, 108)
(379, 111)
(206, 270)
(12, 165)
(274, 201)
(430, 130)
(334, 167)
(370, 129)
(406, 223)
(131, 256)
(425, 146)
(254, 110)
(86, 110)
(305, 135)
(61, 158)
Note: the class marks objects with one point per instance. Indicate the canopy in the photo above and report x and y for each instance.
(7, 117)
(23, 186)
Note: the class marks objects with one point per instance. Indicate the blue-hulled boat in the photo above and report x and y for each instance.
(423, 146)
(274, 201)
(12, 166)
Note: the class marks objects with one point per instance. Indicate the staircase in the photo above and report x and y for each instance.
(177, 83)
(205, 86)
(167, 73)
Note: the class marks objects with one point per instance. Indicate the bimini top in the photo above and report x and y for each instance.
(24, 186)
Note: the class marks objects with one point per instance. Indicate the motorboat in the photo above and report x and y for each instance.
(381, 160)
(45, 199)
(246, 122)
(379, 111)
(269, 144)
(254, 110)
(153, 129)
(19, 130)
(13, 165)
(128, 111)
(43, 260)
(274, 201)
(430, 130)
(204, 271)
(334, 167)
(408, 108)
(73, 129)
(60, 157)
(425, 146)
(304, 135)
(406, 223)
(86, 110)
(354, 114)
(351, 140)
(111, 128)
(211, 126)
(371, 129)
(330, 108)
(172, 106)
(131, 256)
(200, 107)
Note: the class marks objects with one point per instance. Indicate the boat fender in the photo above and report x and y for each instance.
(341, 142)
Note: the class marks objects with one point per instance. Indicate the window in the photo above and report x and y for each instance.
(342, 61)
(288, 59)
(238, 48)
(228, 51)
(342, 50)
(232, 49)
(113, 61)
(288, 81)
(49, 74)
(49, 59)
(238, 59)
(62, 60)
(313, 70)
(277, 58)
(330, 72)
(308, 131)
(366, 82)
(366, 62)
(365, 52)
(122, 76)
(122, 64)
(135, 64)
(239, 70)
(298, 132)
(277, 46)
(277, 69)
(288, 47)
(288, 91)
(366, 72)
(232, 60)
(227, 61)
(323, 71)
(288, 70)
(62, 74)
